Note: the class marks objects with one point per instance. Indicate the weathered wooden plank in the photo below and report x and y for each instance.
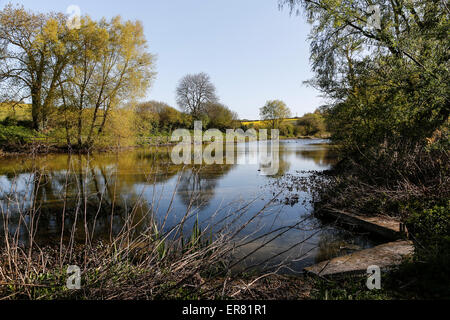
(383, 226)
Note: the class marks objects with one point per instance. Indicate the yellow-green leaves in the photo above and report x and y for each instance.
(111, 66)
(86, 72)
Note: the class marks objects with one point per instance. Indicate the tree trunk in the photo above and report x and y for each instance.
(36, 110)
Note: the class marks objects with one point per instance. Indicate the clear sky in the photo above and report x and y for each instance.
(253, 51)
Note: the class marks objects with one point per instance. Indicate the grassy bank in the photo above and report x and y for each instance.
(412, 186)
(140, 262)
(410, 281)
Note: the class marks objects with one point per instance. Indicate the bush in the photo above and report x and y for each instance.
(287, 130)
(13, 134)
(312, 124)
(299, 131)
(430, 229)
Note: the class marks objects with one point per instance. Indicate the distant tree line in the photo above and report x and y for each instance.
(275, 114)
(84, 84)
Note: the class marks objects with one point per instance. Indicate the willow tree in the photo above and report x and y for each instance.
(111, 68)
(34, 55)
(383, 64)
(83, 72)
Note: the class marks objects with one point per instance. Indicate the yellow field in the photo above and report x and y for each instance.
(265, 123)
(20, 112)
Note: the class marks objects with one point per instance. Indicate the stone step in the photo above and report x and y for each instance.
(384, 256)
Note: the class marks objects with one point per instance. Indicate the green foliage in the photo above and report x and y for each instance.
(312, 124)
(172, 119)
(287, 130)
(275, 112)
(430, 229)
(410, 281)
(158, 118)
(220, 116)
(386, 83)
(13, 134)
(389, 109)
(76, 78)
(15, 112)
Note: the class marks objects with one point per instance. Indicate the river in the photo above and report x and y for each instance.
(100, 190)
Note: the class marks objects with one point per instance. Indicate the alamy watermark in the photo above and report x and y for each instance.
(74, 20)
(208, 147)
(74, 280)
(374, 278)
(374, 19)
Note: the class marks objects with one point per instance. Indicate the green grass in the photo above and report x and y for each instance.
(15, 124)
(15, 134)
(412, 280)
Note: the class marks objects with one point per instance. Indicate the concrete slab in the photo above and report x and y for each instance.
(385, 255)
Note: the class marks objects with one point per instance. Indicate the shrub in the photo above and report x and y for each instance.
(12, 134)
(287, 130)
(430, 229)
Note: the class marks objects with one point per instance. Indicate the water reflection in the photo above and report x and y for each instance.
(197, 185)
(96, 194)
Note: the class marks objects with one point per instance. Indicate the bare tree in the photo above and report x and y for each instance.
(194, 91)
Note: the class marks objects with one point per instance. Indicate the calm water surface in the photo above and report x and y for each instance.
(60, 183)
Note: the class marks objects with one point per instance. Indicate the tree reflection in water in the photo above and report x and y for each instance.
(100, 194)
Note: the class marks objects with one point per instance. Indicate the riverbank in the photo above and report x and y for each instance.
(389, 197)
(121, 283)
(41, 146)
(122, 269)
(84, 189)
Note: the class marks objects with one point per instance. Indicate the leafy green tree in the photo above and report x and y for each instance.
(275, 111)
(35, 52)
(220, 116)
(312, 124)
(156, 117)
(173, 119)
(386, 83)
(147, 118)
(287, 129)
(112, 67)
(388, 88)
(75, 78)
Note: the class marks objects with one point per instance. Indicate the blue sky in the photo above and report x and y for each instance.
(252, 51)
